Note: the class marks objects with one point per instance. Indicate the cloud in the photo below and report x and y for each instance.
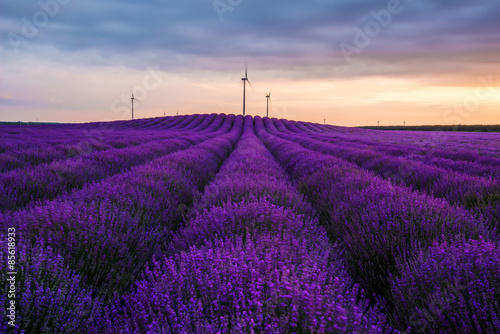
(187, 34)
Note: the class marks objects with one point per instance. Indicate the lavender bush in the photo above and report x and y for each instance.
(49, 296)
(231, 224)
(375, 221)
(267, 284)
(450, 288)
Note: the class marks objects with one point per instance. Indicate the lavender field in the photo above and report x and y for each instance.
(230, 224)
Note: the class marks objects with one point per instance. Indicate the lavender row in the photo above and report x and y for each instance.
(158, 122)
(484, 144)
(14, 136)
(138, 123)
(187, 121)
(186, 125)
(39, 137)
(462, 160)
(377, 223)
(474, 193)
(107, 231)
(180, 121)
(252, 259)
(457, 145)
(181, 125)
(450, 288)
(64, 148)
(468, 162)
(20, 187)
(67, 144)
(466, 167)
(49, 296)
(481, 148)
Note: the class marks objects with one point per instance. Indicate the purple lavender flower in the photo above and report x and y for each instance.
(450, 287)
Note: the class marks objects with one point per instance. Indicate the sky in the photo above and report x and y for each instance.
(346, 62)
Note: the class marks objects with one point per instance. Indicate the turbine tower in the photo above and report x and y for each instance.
(268, 96)
(132, 99)
(245, 79)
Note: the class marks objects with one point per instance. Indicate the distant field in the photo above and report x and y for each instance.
(230, 224)
(461, 128)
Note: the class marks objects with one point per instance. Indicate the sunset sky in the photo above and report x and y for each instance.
(349, 62)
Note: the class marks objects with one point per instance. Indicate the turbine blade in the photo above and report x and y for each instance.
(251, 86)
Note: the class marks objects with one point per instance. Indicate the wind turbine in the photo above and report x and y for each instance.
(132, 99)
(268, 96)
(245, 79)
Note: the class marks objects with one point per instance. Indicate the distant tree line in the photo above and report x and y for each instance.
(462, 128)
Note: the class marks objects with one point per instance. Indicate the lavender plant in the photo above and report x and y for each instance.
(267, 284)
(451, 287)
(49, 296)
(224, 224)
(375, 221)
